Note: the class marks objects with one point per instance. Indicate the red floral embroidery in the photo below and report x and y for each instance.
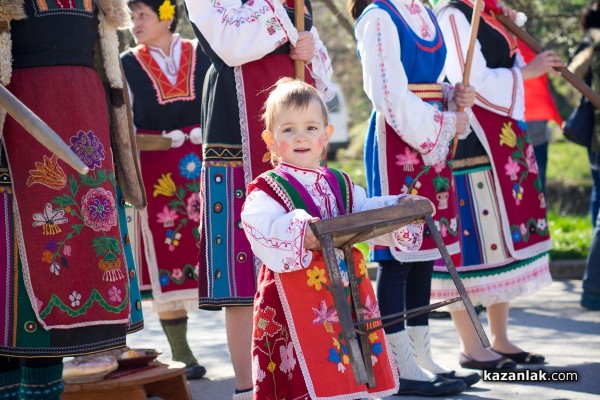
(264, 323)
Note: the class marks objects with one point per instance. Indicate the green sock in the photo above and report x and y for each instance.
(41, 383)
(10, 381)
(176, 331)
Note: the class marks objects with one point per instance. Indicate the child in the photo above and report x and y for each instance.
(298, 351)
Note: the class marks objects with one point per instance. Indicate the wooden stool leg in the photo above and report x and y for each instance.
(175, 388)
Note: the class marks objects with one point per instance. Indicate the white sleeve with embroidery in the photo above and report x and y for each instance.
(240, 33)
(418, 123)
(499, 90)
(321, 68)
(276, 236)
(407, 238)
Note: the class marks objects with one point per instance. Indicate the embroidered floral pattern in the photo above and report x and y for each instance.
(179, 275)
(265, 324)
(326, 316)
(167, 217)
(99, 210)
(49, 220)
(525, 230)
(520, 163)
(190, 166)
(48, 173)
(88, 148)
(316, 277)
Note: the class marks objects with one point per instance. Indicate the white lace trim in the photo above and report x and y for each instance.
(440, 151)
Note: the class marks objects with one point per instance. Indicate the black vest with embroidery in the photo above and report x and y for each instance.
(56, 32)
(148, 113)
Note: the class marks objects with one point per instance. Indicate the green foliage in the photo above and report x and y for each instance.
(571, 236)
(568, 162)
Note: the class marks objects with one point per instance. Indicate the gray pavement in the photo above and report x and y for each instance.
(551, 323)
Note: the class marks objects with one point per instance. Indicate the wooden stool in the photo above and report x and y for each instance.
(166, 381)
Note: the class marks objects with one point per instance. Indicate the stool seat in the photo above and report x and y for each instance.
(166, 380)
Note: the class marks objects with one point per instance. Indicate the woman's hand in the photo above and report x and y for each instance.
(462, 120)
(464, 96)
(305, 47)
(543, 63)
(310, 240)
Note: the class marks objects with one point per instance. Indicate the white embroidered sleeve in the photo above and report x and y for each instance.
(276, 236)
(407, 238)
(321, 68)
(240, 33)
(419, 124)
(499, 90)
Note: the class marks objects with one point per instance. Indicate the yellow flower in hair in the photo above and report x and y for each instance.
(166, 11)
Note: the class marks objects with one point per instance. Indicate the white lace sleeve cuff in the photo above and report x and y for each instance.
(440, 151)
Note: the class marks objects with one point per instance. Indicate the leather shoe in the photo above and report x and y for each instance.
(194, 371)
(524, 357)
(470, 378)
(436, 387)
(501, 363)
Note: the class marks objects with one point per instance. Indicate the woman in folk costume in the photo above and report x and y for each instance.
(298, 351)
(251, 45)
(504, 231)
(67, 278)
(407, 151)
(165, 75)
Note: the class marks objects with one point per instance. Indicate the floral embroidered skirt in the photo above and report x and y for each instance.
(298, 351)
(170, 223)
(489, 273)
(66, 278)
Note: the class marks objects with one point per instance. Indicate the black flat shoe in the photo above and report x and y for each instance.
(524, 357)
(194, 371)
(469, 378)
(502, 363)
(435, 387)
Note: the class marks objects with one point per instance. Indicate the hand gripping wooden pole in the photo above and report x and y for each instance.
(570, 77)
(469, 60)
(40, 130)
(299, 23)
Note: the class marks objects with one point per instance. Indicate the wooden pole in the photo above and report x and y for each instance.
(570, 77)
(469, 61)
(40, 130)
(299, 23)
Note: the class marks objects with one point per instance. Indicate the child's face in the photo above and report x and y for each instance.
(299, 135)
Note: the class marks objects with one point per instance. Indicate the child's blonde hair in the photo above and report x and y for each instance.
(286, 93)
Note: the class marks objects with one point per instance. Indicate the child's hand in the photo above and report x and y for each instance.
(413, 197)
(464, 96)
(310, 240)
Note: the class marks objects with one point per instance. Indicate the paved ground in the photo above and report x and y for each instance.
(551, 323)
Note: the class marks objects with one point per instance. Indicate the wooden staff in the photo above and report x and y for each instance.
(40, 130)
(570, 77)
(299, 22)
(469, 61)
(152, 142)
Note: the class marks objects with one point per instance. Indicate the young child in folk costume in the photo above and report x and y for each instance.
(251, 45)
(505, 235)
(68, 280)
(298, 351)
(407, 150)
(165, 75)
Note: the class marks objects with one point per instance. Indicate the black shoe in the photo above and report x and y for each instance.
(194, 371)
(502, 363)
(524, 357)
(437, 387)
(469, 378)
(439, 314)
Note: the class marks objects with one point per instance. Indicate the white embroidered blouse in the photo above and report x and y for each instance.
(499, 90)
(239, 33)
(277, 236)
(386, 84)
